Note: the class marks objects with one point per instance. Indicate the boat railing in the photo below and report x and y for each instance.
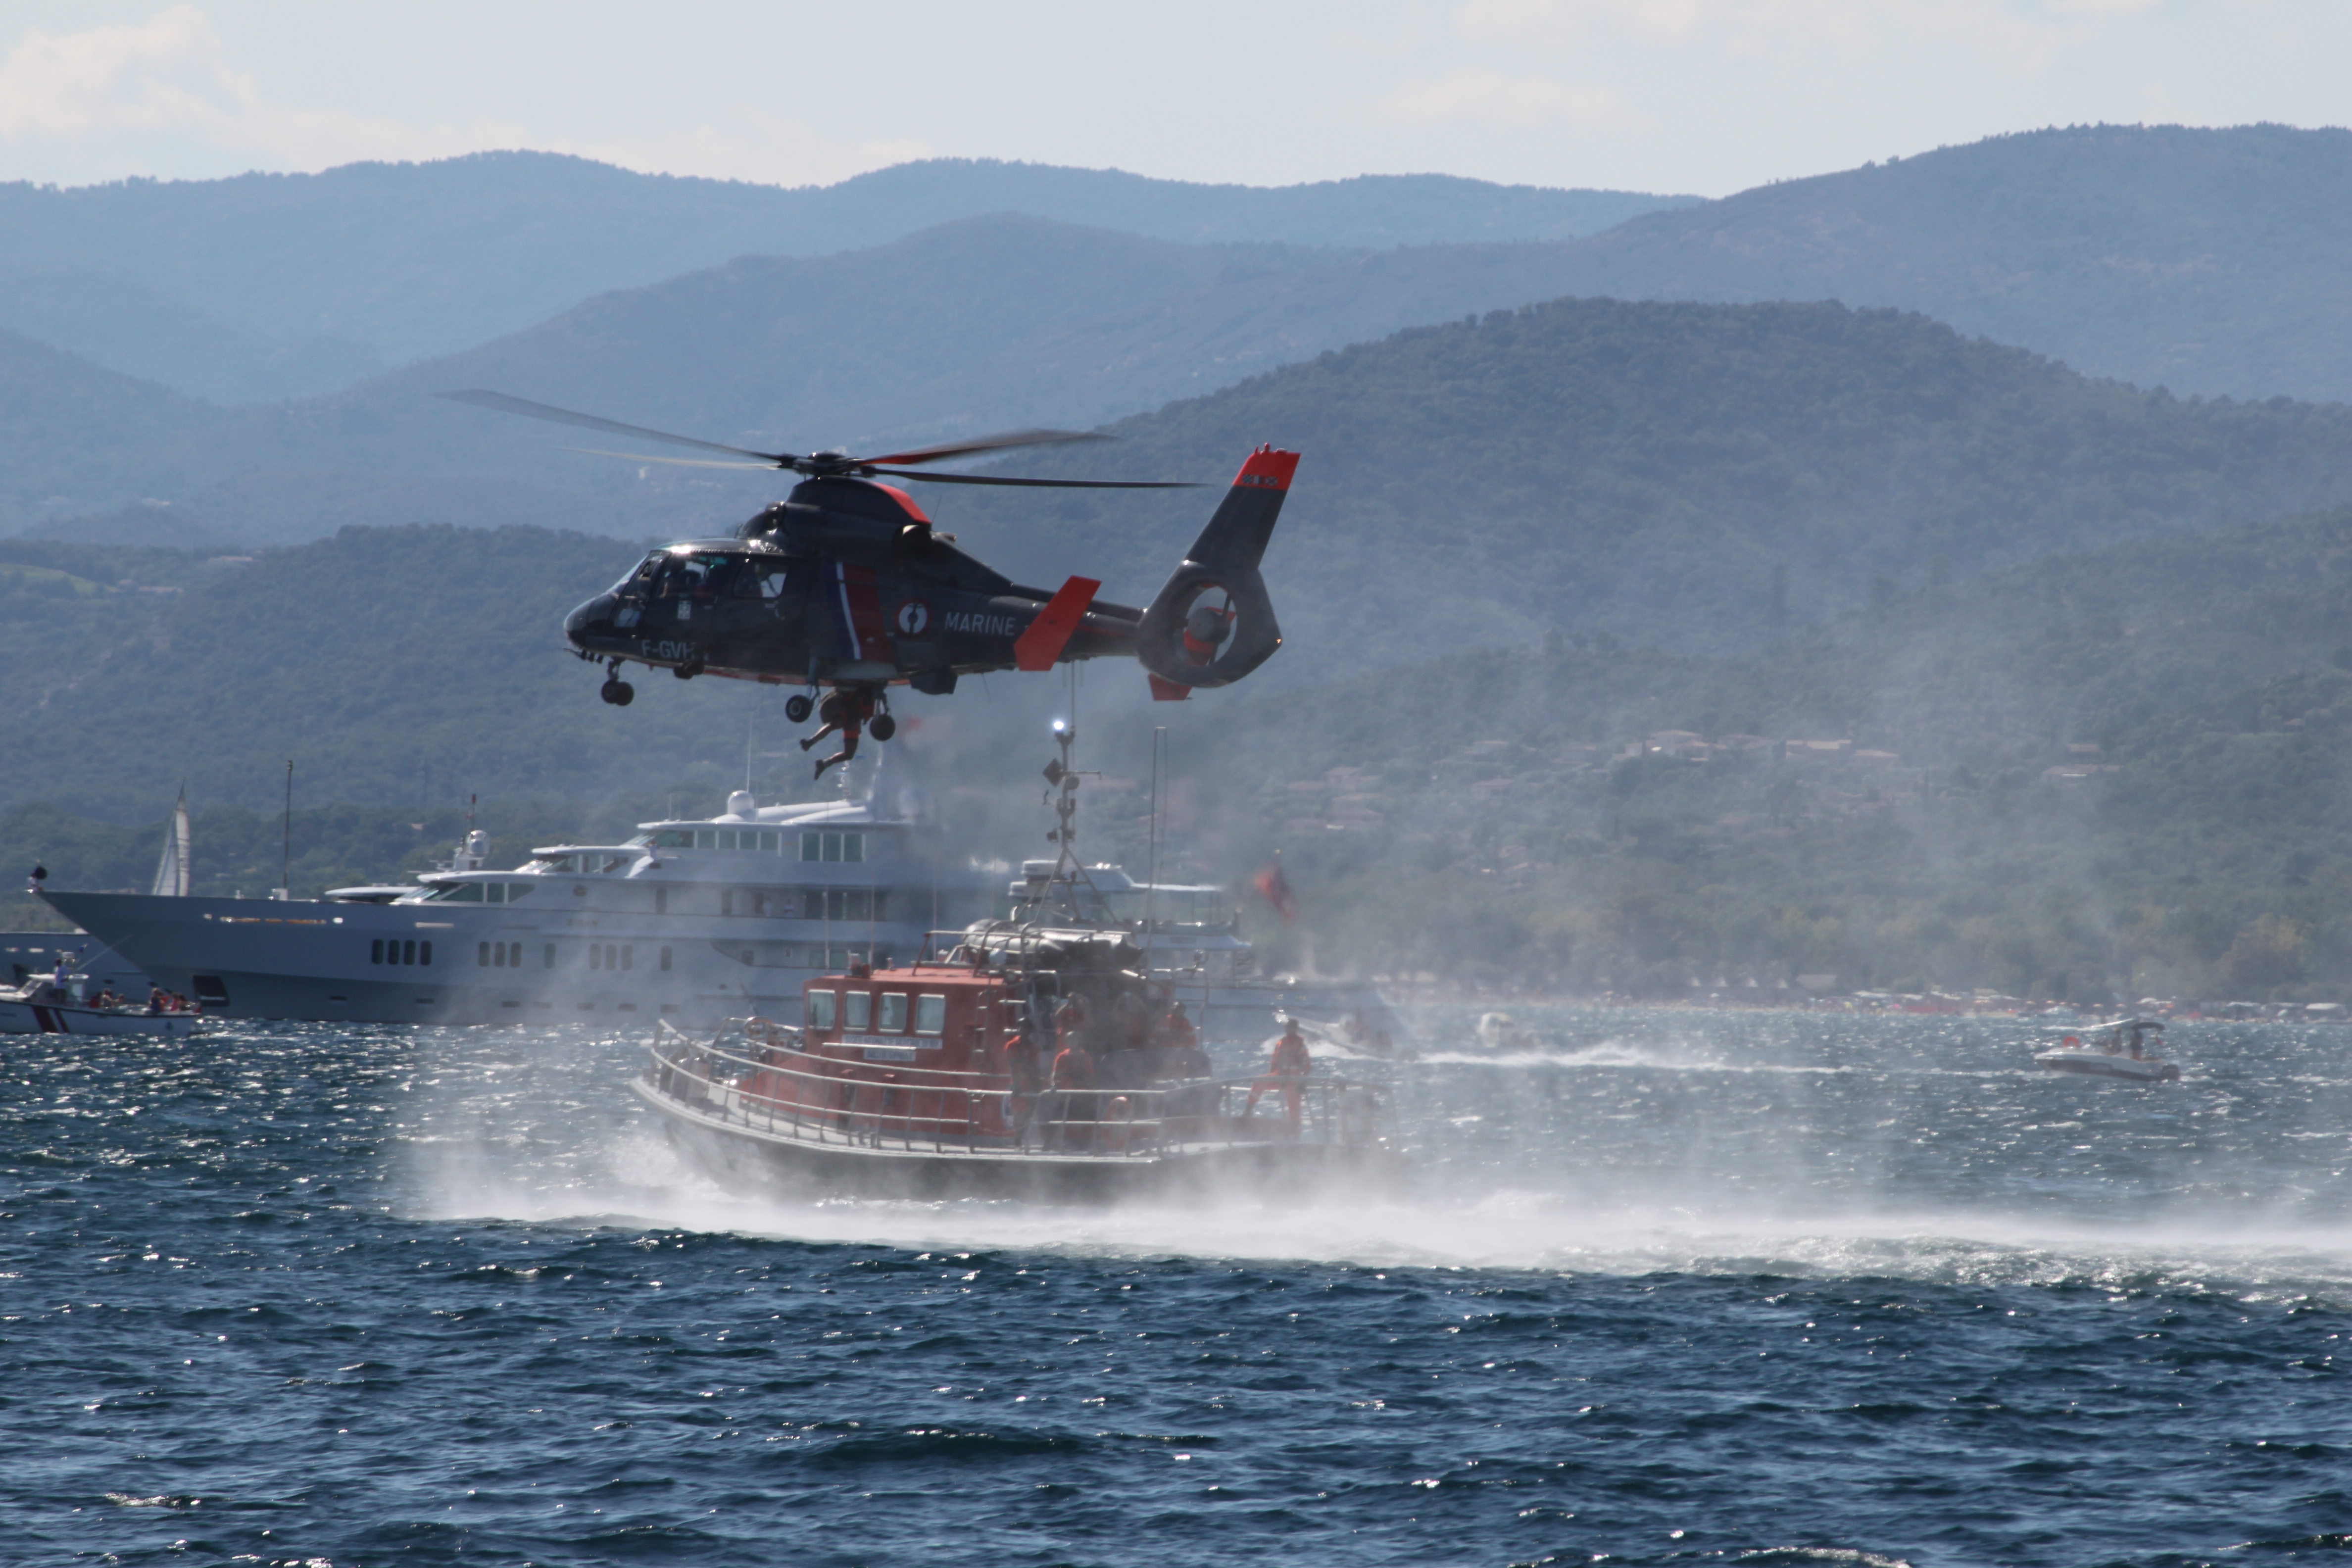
(782, 1090)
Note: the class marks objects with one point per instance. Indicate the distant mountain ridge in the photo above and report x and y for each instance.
(983, 323)
(267, 285)
(2211, 262)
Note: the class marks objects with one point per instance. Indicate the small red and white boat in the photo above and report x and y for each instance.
(1029, 1062)
(2122, 1048)
(45, 1007)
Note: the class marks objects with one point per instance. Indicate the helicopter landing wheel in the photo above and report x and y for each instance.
(797, 708)
(618, 692)
(686, 671)
(883, 727)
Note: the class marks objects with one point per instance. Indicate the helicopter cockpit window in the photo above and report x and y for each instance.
(690, 576)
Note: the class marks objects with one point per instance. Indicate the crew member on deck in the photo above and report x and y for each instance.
(1017, 1060)
(1184, 1058)
(1286, 1071)
(1074, 1072)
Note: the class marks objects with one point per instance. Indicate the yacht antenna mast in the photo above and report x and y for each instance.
(286, 858)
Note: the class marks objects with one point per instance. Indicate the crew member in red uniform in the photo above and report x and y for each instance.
(1017, 1059)
(1073, 1073)
(1181, 1056)
(1286, 1071)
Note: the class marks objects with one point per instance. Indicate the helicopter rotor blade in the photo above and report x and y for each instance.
(997, 443)
(675, 462)
(1036, 484)
(482, 398)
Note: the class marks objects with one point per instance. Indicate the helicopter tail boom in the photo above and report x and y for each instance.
(1213, 622)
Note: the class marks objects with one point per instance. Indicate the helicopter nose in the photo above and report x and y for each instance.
(595, 616)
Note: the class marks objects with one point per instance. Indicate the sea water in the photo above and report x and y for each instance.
(1669, 1287)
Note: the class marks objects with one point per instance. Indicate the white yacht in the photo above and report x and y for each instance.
(695, 921)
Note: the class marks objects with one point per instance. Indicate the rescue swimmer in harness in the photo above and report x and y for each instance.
(848, 710)
(1286, 1071)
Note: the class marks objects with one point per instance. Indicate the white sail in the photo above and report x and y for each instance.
(172, 872)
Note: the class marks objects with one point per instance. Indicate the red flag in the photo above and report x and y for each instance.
(1275, 887)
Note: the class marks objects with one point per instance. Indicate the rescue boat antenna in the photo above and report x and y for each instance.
(1151, 882)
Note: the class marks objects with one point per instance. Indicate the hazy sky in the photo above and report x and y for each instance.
(1704, 95)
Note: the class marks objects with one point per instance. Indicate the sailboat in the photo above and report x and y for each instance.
(171, 878)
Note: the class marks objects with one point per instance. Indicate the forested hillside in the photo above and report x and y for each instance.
(2127, 772)
(266, 286)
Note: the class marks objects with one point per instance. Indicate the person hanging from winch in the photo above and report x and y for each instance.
(847, 709)
(1286, 1071)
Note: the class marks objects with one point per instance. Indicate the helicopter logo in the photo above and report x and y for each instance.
(807, 592)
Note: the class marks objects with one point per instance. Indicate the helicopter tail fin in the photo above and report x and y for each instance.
(1213, 623)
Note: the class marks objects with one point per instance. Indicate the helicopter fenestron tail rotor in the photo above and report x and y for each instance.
(818, 464)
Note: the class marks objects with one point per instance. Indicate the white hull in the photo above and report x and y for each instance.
(19, 1016)
(2099, 1064)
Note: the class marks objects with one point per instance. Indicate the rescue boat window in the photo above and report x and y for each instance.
(674, 838)
(893, 1013)
(375, 950)
(857, 1010)
(820, 1009)
(706, 838)
(931, 1014)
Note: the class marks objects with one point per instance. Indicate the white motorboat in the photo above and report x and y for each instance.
(2119, 1048)
(49, 1007)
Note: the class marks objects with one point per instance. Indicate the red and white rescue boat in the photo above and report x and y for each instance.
(1029, 1063)
(42, 1006)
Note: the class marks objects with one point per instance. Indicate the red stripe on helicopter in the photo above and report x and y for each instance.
(1043, 640)
(863, 631)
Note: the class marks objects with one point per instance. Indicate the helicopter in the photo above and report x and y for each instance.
(845, 585)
